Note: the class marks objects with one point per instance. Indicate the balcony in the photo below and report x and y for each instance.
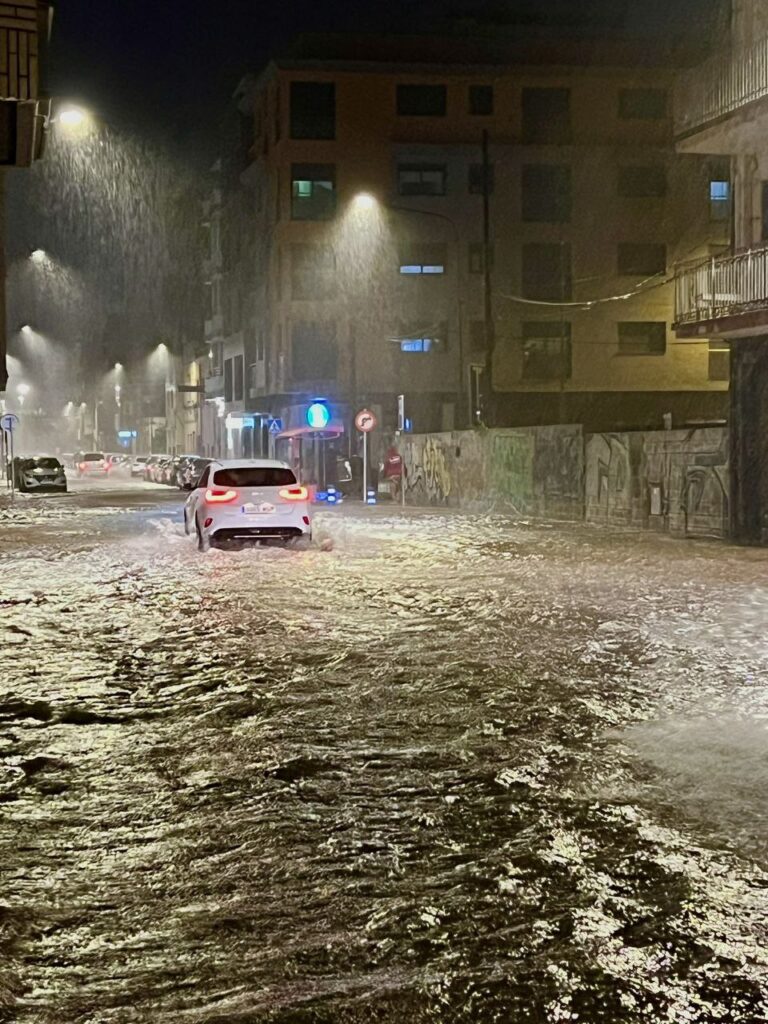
(726, 295)
(723, 85)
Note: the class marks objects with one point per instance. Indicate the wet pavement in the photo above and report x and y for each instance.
(435, 767)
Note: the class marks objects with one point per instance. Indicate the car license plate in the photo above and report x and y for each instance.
(252, 508)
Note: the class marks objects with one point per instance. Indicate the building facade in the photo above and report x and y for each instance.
(721, 111)
(416, 210)
(24, 31)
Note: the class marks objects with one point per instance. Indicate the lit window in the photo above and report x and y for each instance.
(428, 259)
(313, 191)
(719, 200)
(415, 344)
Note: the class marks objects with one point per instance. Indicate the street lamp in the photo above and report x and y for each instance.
(71, 117)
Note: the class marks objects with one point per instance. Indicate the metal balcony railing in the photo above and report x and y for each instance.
(721, 85)
(722, 286)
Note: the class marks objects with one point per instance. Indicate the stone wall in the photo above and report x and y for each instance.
(525, 471)
(674, 481)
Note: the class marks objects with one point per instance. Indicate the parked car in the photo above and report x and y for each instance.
(180, 465)
(164, 471)
(247, 500)
(92, 464)
(151, 465)
(192, 471)
(137, 465)
(39, 473)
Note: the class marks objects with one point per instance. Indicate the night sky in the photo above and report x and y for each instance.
(172, 63)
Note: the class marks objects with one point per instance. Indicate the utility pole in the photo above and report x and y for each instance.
(489, 405)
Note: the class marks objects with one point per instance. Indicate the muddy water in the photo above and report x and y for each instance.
(451, 769)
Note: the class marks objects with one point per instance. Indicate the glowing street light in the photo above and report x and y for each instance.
(72, 117)
(38, 256)
(365, 201)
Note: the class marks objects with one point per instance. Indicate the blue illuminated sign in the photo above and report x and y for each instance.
(318, 416)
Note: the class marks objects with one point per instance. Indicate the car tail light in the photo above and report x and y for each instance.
(306, 520)
(294, 494)
(215, 496)
(82, 467)
(207, 522)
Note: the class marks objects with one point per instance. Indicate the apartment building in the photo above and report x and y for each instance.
(24, 32)
(721, 112)
(368, 186)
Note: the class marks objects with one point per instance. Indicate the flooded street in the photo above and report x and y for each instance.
(435, 767)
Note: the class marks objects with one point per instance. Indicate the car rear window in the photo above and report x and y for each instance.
(254, 476)
(93, 457)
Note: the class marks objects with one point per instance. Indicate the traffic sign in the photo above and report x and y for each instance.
(9, 422)
(275, 425)
(365, 421)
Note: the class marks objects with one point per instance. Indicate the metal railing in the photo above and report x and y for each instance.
(724, 83)
(722, 286)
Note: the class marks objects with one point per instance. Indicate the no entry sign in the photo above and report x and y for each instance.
(365, 421)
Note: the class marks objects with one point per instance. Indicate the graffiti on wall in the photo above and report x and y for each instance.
(608, 472)
(558, 468)
(511, 469)
(429, 478)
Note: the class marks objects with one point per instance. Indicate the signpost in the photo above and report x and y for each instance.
(365, 421)
(8, 424)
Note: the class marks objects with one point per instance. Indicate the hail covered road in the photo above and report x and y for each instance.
(438, 768)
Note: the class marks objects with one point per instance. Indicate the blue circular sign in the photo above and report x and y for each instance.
(318, 416)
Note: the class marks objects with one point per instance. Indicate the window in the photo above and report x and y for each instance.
(547, 115)
(547, 271)
(719, 200)
(477, 179)
(546, 350)
(642, 259)
(423, 259)
(546, 193)
(719, 360)
(314, 351)
(481, 100)
(313, 110)
(421, 339)
(642, 182)
(253, 476)
(313, 191)
(643, 104)
(313, 271)
(642, 338)
(415, 344)
(421, 100)
(203, 481)
(421, 179)
(477, 257)
(238, 373)
(228, 380)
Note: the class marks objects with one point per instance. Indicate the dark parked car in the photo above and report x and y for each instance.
(191, 472)
(39, 473)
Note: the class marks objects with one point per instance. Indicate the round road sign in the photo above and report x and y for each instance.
(10, 421)
(365, 421)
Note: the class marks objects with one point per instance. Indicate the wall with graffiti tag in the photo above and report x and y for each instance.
(674, 481)
(526, 471)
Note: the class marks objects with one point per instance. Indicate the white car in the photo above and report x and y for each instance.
(247, 500)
